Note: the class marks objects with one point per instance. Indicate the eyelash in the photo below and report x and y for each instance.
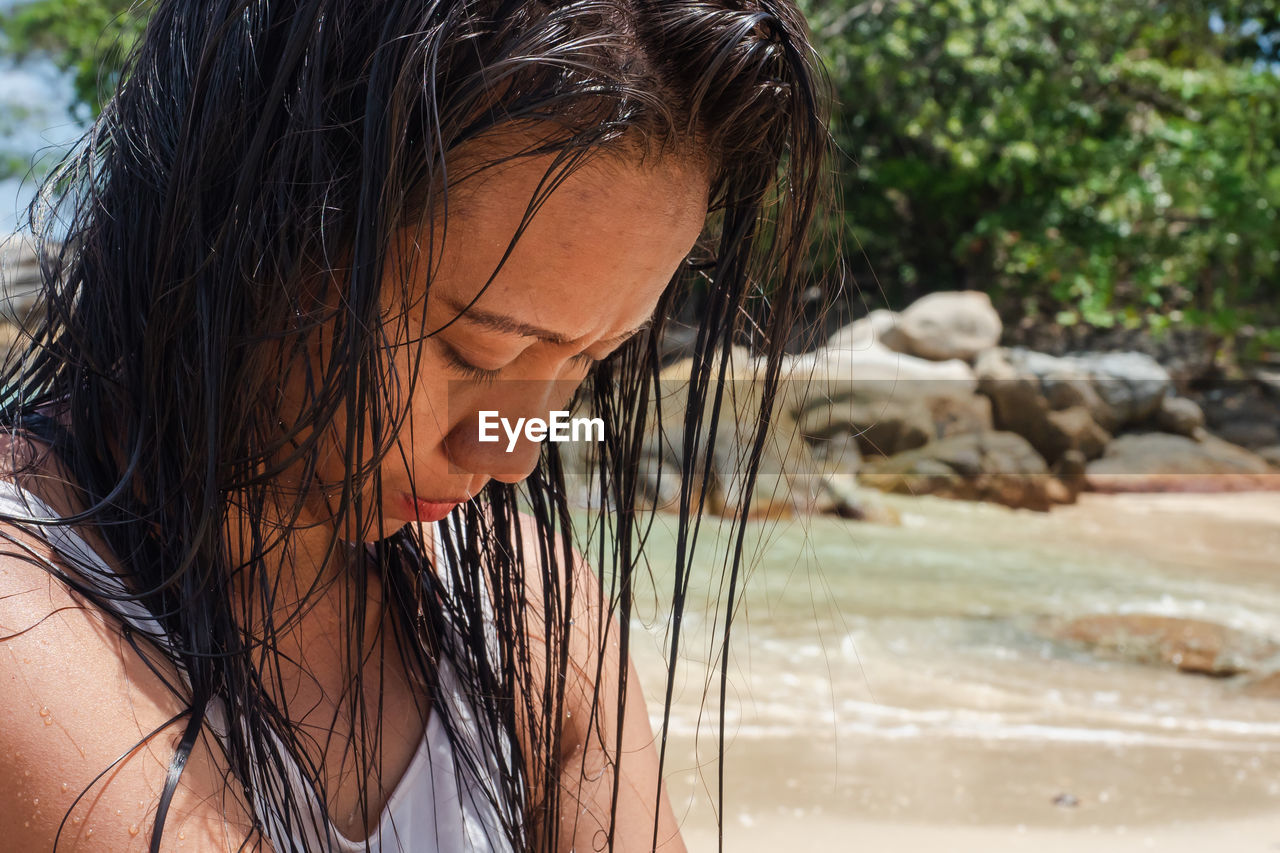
(585, 360)
(470, 371)
(480, 374)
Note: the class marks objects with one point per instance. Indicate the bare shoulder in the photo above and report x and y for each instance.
(87, 730)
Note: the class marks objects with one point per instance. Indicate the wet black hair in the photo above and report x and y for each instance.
(239, 195)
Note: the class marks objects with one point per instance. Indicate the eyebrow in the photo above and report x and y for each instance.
(511, 326)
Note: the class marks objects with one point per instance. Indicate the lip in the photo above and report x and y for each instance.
(423, 510)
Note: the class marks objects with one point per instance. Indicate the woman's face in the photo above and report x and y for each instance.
(585, 275)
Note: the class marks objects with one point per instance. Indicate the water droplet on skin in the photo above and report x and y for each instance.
(35, 801)
(88, 832)
(76, 820)
(44, 712)
(64, 787)
(133, 829)
(182, 836)
(48, 721)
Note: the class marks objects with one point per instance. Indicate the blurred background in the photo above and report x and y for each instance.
(1015, 573)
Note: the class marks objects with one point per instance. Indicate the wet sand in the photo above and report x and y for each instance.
(914, 708)
(959, 796)
(828, 834)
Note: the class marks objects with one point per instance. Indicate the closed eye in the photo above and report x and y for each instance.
(584, 360)
(467, 369)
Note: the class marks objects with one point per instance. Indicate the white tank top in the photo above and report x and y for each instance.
(435, 808)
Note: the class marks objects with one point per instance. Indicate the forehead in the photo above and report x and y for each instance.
(592, 247)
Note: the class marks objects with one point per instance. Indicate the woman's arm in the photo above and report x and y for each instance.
(75, 698)
(590, 734)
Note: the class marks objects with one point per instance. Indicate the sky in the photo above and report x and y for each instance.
(34, 117)
(40, 95)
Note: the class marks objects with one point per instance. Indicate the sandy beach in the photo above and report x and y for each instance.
(892, 688)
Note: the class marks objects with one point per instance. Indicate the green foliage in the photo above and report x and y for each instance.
(1097, 161)
(91, 38)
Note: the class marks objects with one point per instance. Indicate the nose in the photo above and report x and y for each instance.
(494, 438)
(504, 459)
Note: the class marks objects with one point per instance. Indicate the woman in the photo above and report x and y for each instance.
(265, 586)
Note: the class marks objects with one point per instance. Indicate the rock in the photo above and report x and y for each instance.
(996, 466)
(838, 459)
(863, 333)
(1249, 433)
(1243, 413)
(1052, 424)
(840, 496)
(1268, 379)
(836, 453)
(1131, 383)
(20, 288)
(873, 372)
(1070, 472)
(879, 427)
(1271, 455)
(1190, 645)
(10, 336)
(788, 480)
(1187, 353)
(946, 325)
(890, 401)
(959, 415)
(884, 426)
(1119, 388)
(1074, 429)
(1179, 416)
(1155, 462)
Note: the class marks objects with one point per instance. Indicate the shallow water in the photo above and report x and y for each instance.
(909, 673)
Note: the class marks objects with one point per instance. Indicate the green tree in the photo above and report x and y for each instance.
(1099, 161)
(91, 38)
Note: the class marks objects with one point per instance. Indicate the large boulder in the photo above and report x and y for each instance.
(1120, 388)
(872, 372)
(1030, 391)
(863, 333)
(1179, 416)
(883, 427)
(729, 445)
(1074, 429)
(1055, 417)
(789, 479)
(1001, 467)
(890, 401)
(946, 325)
(1155, 461)
(1132, 384)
